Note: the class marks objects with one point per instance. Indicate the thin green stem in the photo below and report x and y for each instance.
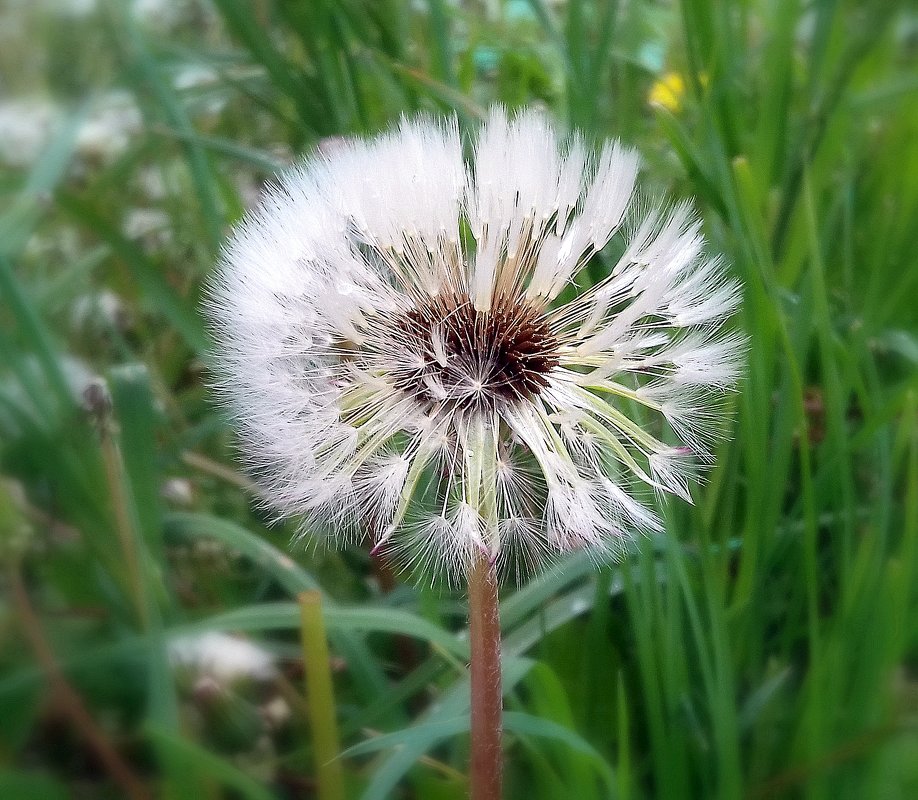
(320, 694)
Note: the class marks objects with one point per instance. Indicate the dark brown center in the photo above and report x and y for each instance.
(474, 359)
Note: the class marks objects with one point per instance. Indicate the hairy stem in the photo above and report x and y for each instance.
(484, 633)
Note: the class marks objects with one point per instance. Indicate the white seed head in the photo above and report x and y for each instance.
(223, 657)
(403, 344)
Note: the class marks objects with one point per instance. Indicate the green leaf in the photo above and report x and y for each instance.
(279, 565)
(529, 725)
(23, 785)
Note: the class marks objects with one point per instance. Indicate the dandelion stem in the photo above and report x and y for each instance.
(484, 632)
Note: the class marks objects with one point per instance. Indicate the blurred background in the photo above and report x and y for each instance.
(150, 632)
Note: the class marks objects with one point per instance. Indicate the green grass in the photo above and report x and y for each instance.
(766, 646)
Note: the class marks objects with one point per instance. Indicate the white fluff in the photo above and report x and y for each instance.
(222, 657)
(311, 310)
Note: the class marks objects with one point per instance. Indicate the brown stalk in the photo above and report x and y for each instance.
(487, 697)
(68, 700)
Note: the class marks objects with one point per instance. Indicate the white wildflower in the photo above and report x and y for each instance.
(409, 355)
(203, 84)
(178, 491)
(276, 713)
(222, 657)
(26, 124)
(112, 124)
(151, 224)
(99, 311)
(194, 76)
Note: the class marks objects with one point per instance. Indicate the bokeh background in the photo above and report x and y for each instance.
(150, 628)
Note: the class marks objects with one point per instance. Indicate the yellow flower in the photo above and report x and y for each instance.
(667, 92)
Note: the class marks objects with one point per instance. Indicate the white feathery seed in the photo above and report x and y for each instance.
(414, 354)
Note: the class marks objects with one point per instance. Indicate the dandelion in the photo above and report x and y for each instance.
(409, 359)
(416, 352)
(222, 657)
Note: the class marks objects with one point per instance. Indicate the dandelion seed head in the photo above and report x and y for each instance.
(402, 340)
(225, 658)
